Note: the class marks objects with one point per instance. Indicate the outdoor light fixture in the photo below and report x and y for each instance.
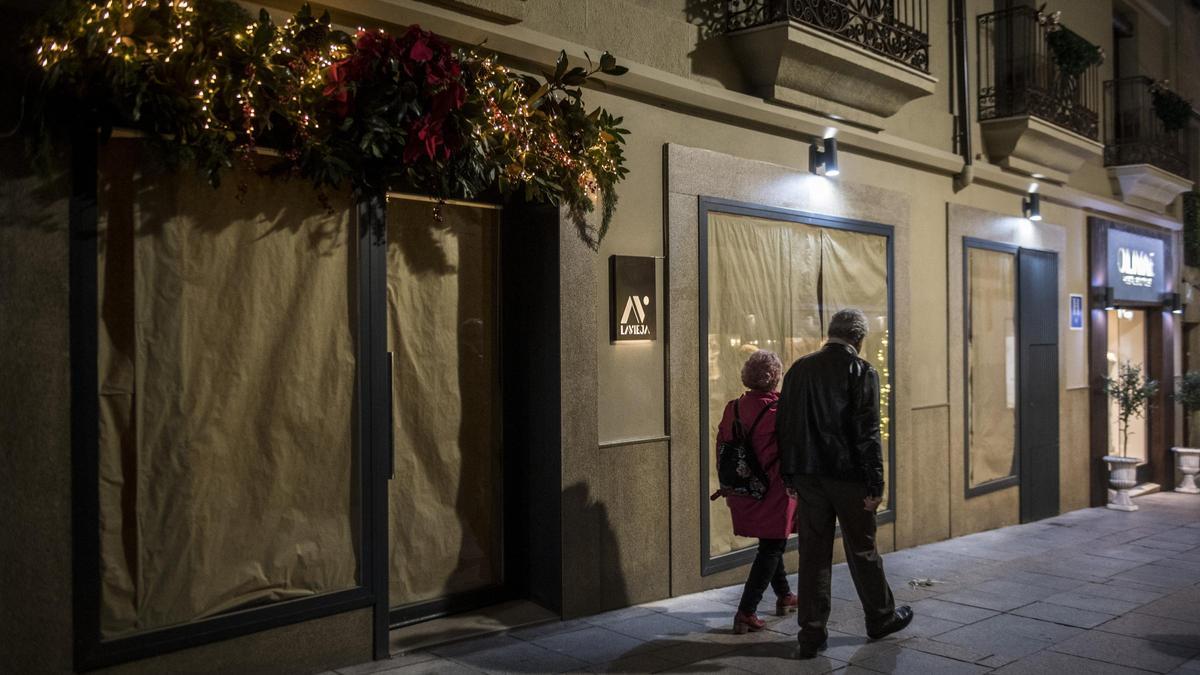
(1174, 301)
(1105, 296)
(822, 157)
(1031, 206)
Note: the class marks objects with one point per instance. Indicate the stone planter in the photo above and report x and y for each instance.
(1187, 461)
(1122, 476)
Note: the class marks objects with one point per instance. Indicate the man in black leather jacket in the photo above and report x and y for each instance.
(831, 456)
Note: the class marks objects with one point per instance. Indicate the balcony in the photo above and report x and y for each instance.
(1146, 161)
(860, 60)
(1038, 108)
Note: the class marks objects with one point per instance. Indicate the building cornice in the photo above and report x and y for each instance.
(695, 97)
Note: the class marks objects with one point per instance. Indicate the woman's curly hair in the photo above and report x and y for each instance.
(762, 371)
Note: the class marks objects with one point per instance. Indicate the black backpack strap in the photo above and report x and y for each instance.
(739, 431)
(770, 406)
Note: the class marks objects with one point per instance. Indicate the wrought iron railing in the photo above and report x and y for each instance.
(897, 29)
(1018, 75)
(1133, 133)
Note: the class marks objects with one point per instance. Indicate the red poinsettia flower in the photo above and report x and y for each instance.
(425, 136)
(448, 99)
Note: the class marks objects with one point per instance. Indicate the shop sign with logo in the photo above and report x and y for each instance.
(1136, 266)
(633, 298)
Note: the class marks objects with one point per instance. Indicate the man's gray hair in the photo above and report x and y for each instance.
(849, 325)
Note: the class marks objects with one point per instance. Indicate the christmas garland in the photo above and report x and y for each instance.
(1071, 52)
(1173, 110)
(209, 85)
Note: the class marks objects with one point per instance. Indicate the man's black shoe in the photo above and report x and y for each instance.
(898, 622)
(810, 651)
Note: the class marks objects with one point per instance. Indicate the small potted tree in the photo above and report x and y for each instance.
(1131, 391)
(1187, 460)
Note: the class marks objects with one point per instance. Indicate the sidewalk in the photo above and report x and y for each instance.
(1092, 591)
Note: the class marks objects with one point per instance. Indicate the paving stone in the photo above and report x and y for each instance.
(508, 653)
(977, 598)
(910, 660)
(1126, 651)
(1008, 637)
(1068, 616)
(776, 657)
(658, 625)
(618, 615)
(1132, 552)
(1166, 543)
(594, 645)
(1183, 605)
(678, 652)
(1063, 664)
(1046, 581)
(433, 666)
(393, 663)
(855, 648)
(1156, 629)
(541, 630)
(950, 651)
(1192, 666)
(1154, 574)
(1085, 600)
(927, 626)
(951, 611)
(640, 663)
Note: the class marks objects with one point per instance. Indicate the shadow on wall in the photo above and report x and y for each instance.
(712, 57)
(593, 577)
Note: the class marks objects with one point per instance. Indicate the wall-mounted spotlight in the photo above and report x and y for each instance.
(823, 158)
(1174, 302)
(1031, 206)
(1103, 297)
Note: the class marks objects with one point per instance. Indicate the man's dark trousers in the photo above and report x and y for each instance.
(820, 500)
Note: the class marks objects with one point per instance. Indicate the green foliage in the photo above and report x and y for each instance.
(208, 83)
(1188, 392)
(1132, 392)
(1071, 53)
(1173, 110)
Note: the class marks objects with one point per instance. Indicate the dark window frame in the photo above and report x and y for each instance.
(1014, 476)
(708, 563)
(90, 651)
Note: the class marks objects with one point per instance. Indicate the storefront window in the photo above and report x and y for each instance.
(991, 366)
(1126, 344)
(445, 510)
(227, 382)
(774, 284)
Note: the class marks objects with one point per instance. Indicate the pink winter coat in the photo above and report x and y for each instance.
(774, 515)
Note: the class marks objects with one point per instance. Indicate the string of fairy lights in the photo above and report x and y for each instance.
(240, 80)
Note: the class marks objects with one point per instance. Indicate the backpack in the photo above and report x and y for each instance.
(738, 469)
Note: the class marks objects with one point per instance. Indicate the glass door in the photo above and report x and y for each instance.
(1127, 345)
(445, 500)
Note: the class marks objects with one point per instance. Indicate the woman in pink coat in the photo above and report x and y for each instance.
(770, 519)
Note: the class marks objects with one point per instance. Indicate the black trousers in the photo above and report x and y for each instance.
(768, 568)
(820, 501)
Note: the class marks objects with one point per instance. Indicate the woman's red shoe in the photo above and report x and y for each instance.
(746, 623)
(786, 605)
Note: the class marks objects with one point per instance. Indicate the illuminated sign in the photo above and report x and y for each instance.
(633, 294)
(1136, 266)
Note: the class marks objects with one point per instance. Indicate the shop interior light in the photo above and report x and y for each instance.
(1031, 206)
(823, 158)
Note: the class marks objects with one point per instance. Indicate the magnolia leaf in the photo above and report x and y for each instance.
(607, 62)
(560, 66)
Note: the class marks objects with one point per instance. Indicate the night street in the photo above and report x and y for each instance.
(1093, 591)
